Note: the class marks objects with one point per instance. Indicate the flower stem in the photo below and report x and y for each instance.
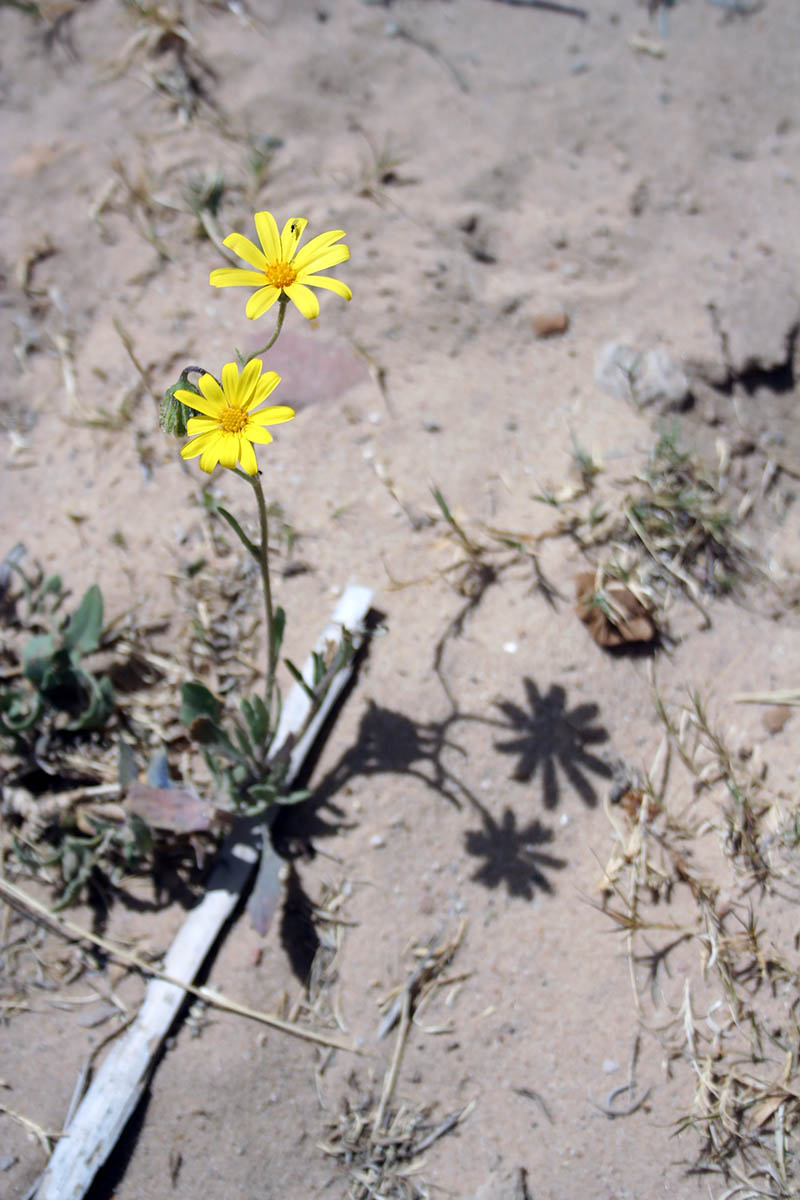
(282, 306)
(272, 653)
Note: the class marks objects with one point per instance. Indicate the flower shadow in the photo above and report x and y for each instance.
(511, 856)
(547, 736)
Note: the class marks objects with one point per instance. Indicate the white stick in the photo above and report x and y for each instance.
(117, 1088)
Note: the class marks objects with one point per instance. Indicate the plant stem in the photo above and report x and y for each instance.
(282, 305)
(264, 564)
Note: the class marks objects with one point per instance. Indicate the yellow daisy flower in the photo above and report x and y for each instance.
(280, 268)
(229, 425)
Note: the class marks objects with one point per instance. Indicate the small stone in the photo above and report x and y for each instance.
(640, 197)
(775, 717)
(550, 323)
(649, 376)
(377, 841)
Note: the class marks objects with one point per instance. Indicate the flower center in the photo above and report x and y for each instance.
(233, 420)
(280, 274)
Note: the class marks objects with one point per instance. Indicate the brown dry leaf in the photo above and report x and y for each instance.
(766, 1108)
(631, 801)
(624, 621)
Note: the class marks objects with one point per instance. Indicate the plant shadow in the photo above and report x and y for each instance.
(511, 856)
(547, 736)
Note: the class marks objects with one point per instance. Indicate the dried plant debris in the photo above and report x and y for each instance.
(386, 1164)
(676, 530)
(730, 1013)
(380, 1138)
(613, 612)
(165, 44)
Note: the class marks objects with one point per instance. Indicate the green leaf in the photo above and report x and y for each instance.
(297, 675)
(440, 500)
(86, 623)
(37, 657)
(319, 668)
(14, 716)
(247, 712)
(100, 707)
(243, 740)
(261, 730)
(278, 626)
(127, 770)
(52, 586)
(293, 797)
(257, 718)
(259, 797)
(196, 702)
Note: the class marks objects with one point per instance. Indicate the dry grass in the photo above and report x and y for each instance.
(730, 1014)
(378, 1137)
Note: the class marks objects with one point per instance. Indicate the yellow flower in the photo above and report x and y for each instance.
(280, 268)
(229, 424)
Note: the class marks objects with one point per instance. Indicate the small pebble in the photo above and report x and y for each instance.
(550, 323)
(510, 647)
(609, 1066)
(377, 841)
(775, 717)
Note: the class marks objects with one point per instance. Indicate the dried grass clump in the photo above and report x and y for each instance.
(693, 877)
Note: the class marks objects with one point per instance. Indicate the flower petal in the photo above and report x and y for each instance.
(228, 450)
(249, 382)
(230, 384)
(316, 246)
(212, 402)
(328, 258)
(333, 285)
(261, 301)
(266, 384)
(275, 415)
(198, 403)
(235, 277)
(254, 434)
(199, 444)
(305, 300)
(267, 230)
(247, 457)
(196, 425)
(245, 249)
(211, 455)
(290, 236)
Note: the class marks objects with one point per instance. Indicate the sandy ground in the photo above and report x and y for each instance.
(493, 166)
